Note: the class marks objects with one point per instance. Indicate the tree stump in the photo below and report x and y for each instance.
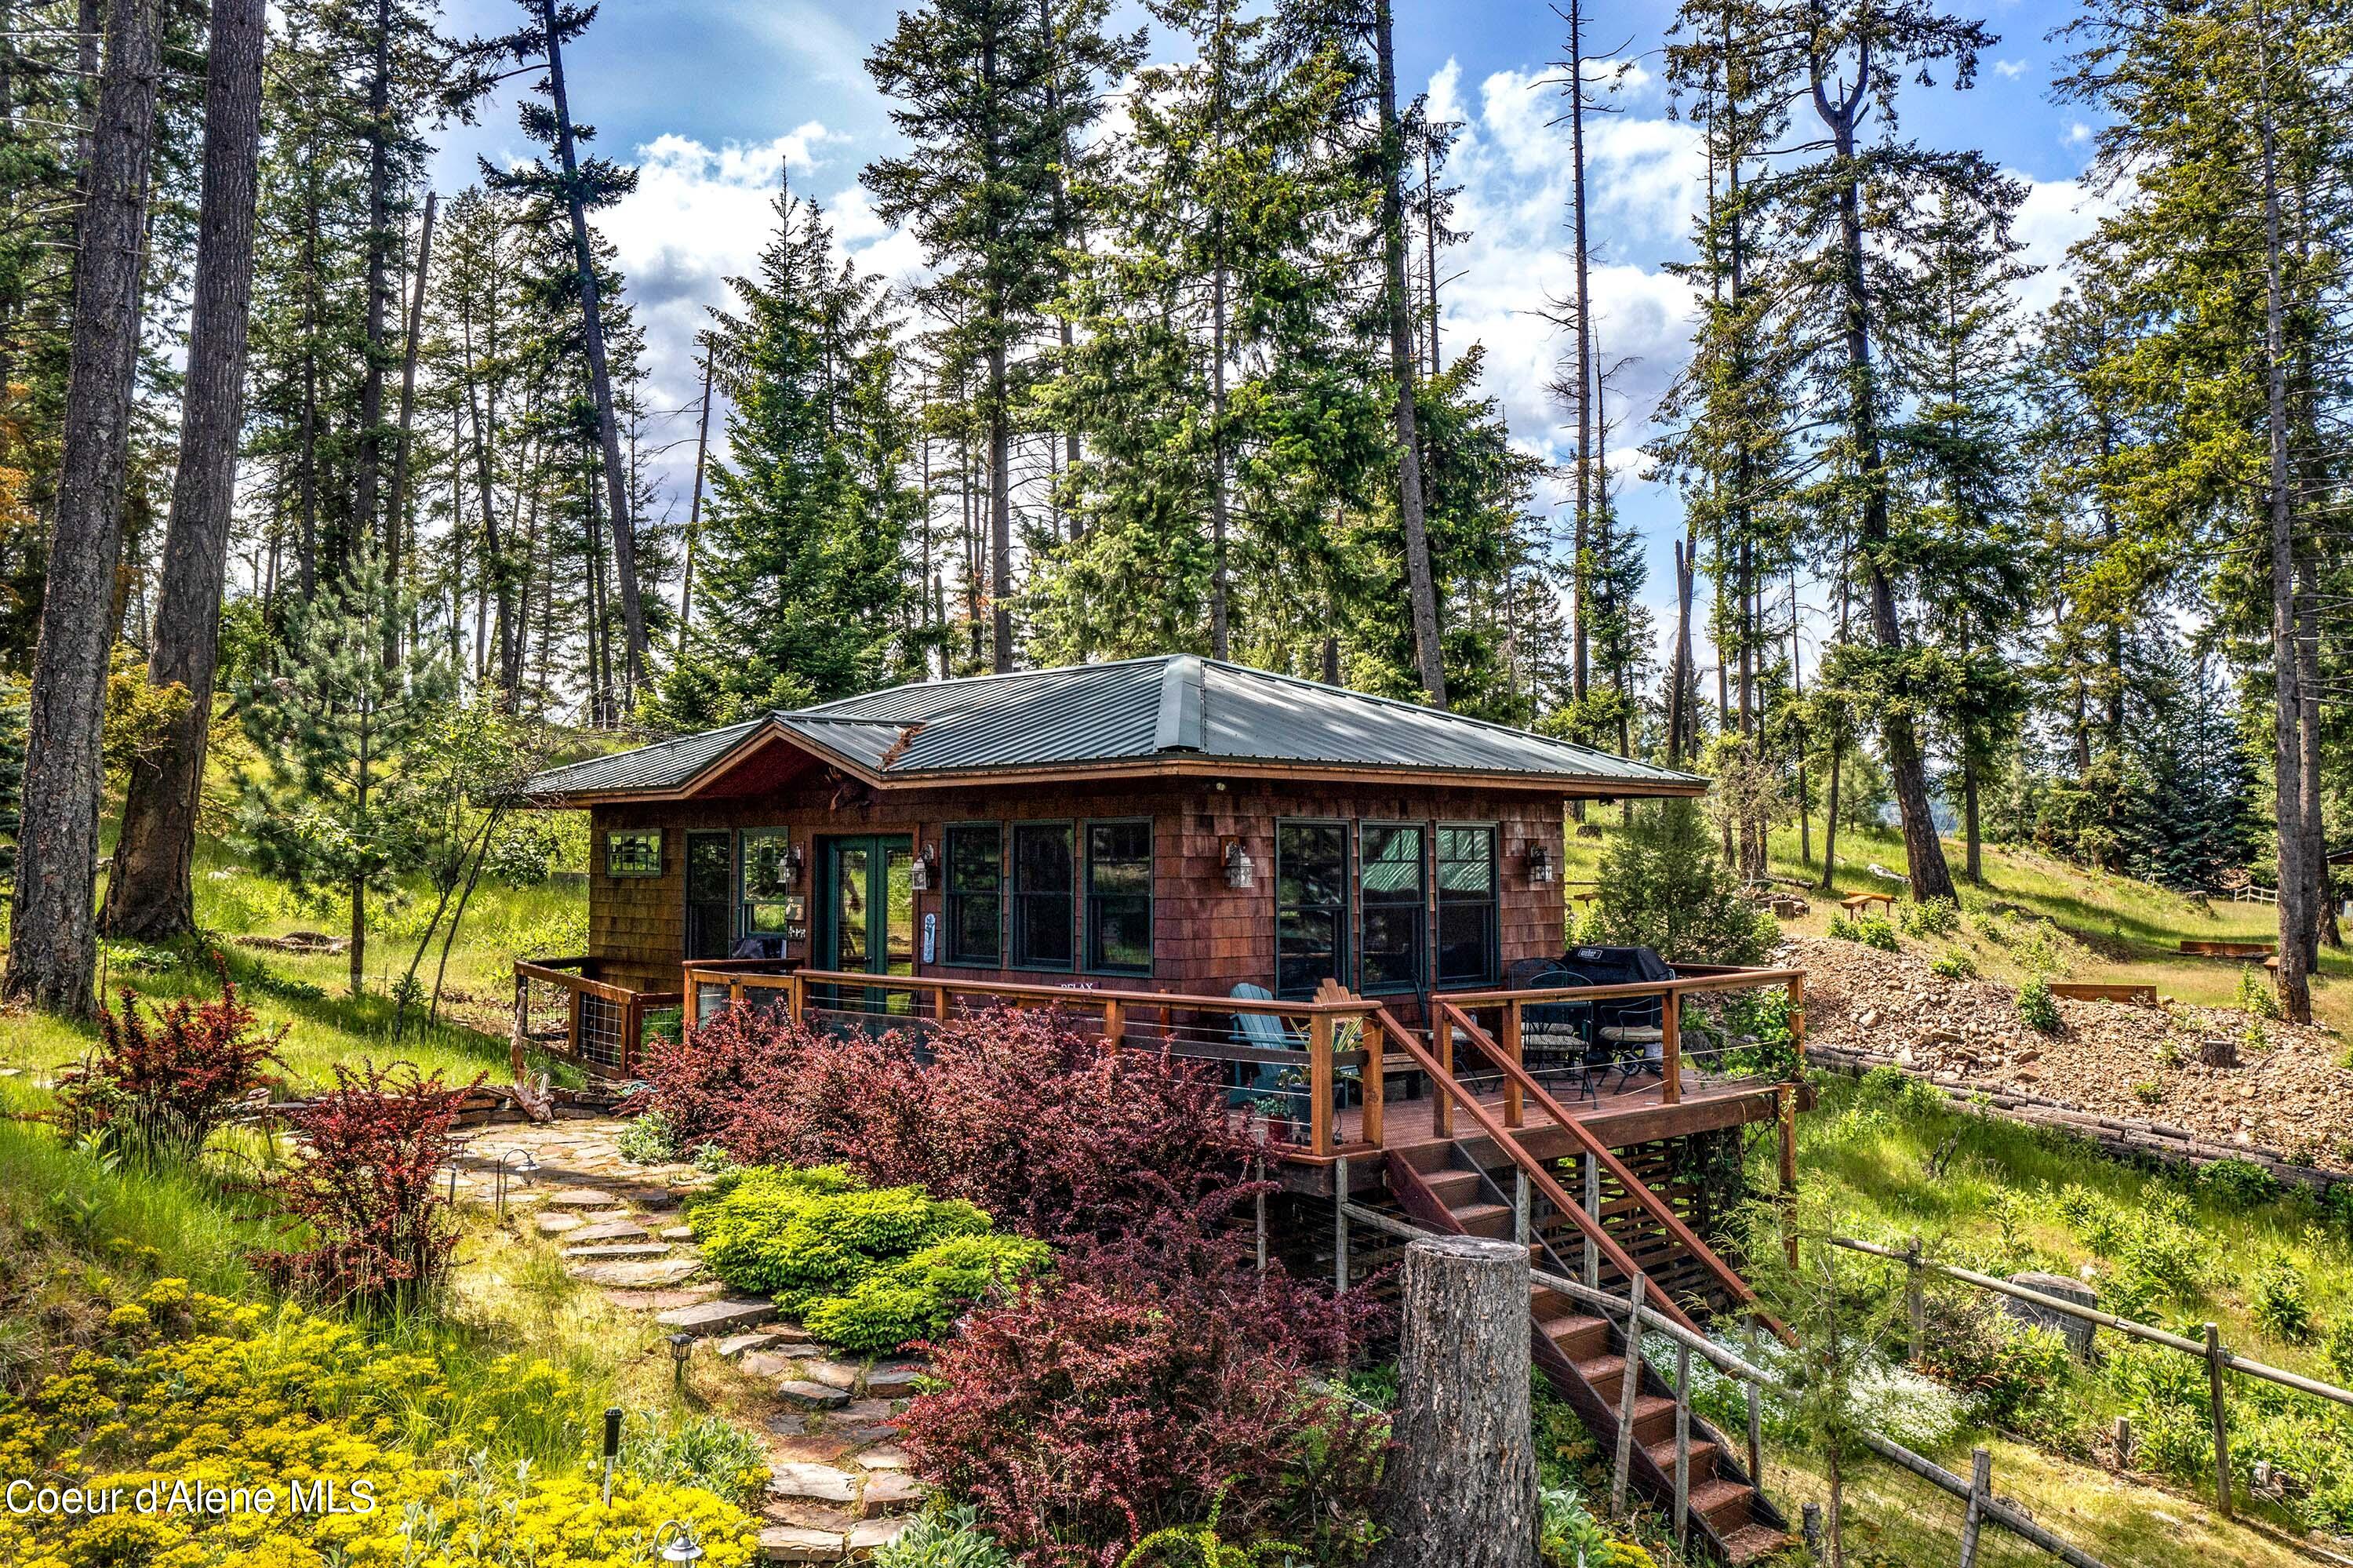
(2219, 1052)
(1461, 1482)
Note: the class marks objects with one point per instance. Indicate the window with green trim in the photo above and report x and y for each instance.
(1468, 914)
(1118, 897)
(1043, 878)
(976, 894)
(1311, 904)
(766, 886)
(1392, 907)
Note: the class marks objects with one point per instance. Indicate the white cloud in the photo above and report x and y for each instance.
(2077, 134)
(2010, 70)
(2054, 215)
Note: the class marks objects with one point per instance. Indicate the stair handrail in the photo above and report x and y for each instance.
(1636, 1188)
(1553, 1191)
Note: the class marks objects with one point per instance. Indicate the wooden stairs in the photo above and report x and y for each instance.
(1467, 1188)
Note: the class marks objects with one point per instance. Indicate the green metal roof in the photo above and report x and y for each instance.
(1174, 708)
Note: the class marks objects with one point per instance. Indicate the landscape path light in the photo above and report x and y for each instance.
(680, 1548)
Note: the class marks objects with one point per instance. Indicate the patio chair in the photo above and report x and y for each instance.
(1252, 1082)
(1634, 1029)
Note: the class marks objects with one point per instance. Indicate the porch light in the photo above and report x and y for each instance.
(1539, 864)
(918, 874)
(792, 866)
(1241, 872)
(681, 1547)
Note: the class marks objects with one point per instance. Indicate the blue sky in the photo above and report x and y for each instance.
(710, 96)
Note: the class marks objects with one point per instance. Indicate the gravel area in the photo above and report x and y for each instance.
(2293, 1095)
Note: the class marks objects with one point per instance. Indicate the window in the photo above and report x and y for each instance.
(1467, 914)
(976, 894)
(633, 854)
(1118, 897)
(1391, 906)
(1311, 903)
(1042, 882)
(765, 888)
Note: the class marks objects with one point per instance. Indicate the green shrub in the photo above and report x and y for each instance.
(706, 1451)
(942, 1536)
(2256, 997)
(1870, 930)
(1955, 964)
(804, 1235)
(2338, 1349)
(1929, 917)
(2015, 1377)
(2238, 1183)
(2281, 1306)
(647, 1140)
(919, 1298)
(2037, 1008)
(2150, 1092)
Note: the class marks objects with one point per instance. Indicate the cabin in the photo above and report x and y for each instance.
(1349, 909)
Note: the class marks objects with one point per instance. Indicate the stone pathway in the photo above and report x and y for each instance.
(839, 1485)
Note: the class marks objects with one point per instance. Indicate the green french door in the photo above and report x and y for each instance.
(866, 896)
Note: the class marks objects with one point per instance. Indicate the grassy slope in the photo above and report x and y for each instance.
(2134, 930)
(333, 1027)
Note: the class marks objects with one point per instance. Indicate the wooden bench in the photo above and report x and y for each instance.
(1857, 903)
(2102, 991)
(2245, 947)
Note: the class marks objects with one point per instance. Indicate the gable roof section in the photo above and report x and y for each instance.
(1173, 714)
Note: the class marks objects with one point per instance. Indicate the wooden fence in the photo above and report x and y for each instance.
(2209, 1349)
(1643, 1316)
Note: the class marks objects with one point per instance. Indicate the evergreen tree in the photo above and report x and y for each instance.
(332, 811)
(805, 540)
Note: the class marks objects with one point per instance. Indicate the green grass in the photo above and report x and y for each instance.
(2127, 930)
(310, 993)
(1986, 1193)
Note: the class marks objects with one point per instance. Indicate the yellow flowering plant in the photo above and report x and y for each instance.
(203, 1432)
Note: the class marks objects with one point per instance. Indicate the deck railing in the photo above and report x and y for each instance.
(1304, 1064)
(561, 1007)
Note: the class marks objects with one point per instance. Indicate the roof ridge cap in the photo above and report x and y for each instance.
(1179, 725)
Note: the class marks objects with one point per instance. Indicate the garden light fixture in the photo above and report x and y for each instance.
(1241, 872)
(680, 1548)
(682, 1347)
(1539, 864)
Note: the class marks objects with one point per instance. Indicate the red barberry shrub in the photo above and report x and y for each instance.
(1063, 1138)
(1022, 1113)
(156, 1087)
(362, 1189)
(1140, 1387)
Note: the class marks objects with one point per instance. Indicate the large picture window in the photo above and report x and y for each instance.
(1392, 906)
(1311, 904)
(1043, 878)
(766, 883)
(1467, 914)
(1118, 897)
(976, 894)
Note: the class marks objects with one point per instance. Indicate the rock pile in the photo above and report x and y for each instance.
(2294, 1096)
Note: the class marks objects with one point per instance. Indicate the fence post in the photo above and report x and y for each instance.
(1515, 1112)
(1114, 1018)
(1683, 1444)
(1441, 1108)
(1519, 1205)
(1319, 1083)
(1785, 1102)
(522, 1028)
(1671, 1049)
(1593, 1212)
(1460, 1485)
(1755, 1418)
(1798, 1015)
(1916, 1304)
(1376, 1088)
(1981, 1493)
(795, 996)
(1629, 1382)
(2221, 1419)
(1340, 1222)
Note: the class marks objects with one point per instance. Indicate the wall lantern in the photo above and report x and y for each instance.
(1539, 864)
(1240, 870)
(918, 874)
(792, 867)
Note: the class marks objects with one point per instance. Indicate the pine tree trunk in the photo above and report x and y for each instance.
(53, 946)
(1219, 611)
(1580, 538)
(2295, 849)
(1906, 767)
(1421, 584)
(395, 524)
(151, 891)
(694, 508)
(379, 247)
(1000, 518)
(600, 380)
(1459, 1488)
